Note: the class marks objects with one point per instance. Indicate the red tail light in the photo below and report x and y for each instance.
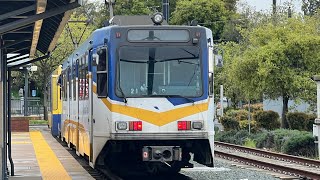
(135, 126)
(184, 125)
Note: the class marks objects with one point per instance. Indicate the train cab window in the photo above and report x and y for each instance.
(102, 73)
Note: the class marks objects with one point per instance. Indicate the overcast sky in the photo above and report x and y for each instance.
(267, 4)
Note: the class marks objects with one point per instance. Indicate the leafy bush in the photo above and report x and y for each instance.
(301, 145)
(233, 136)
(309, 122)
(250, 143)
(254, 107)
(268, 120)
(244, 125)
(232, 113)
(292, 142)
(297, 120)
(264, 139)
(242, 115)
(255, 115)
(229, 123)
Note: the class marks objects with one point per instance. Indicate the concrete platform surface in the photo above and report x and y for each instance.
(37, 155)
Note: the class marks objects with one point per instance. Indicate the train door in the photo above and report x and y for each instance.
(69, 105)
(76, 98)
(90, 102)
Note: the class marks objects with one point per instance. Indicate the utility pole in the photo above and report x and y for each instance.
(110, 3)
(221, 100)
(165, 9)
(274, 7)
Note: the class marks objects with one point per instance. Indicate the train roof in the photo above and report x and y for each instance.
(126, 22)
(132, 20)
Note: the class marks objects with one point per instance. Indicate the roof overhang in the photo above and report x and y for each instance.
(30, 25)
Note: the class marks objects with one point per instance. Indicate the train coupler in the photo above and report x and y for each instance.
(161, 153)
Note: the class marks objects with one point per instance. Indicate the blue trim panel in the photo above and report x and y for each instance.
(56, 124)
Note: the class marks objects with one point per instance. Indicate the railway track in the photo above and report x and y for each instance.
(280, 163)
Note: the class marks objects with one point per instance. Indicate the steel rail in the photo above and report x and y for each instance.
(268, 154)
(269, 166)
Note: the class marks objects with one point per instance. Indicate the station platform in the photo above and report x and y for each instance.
(37, 155)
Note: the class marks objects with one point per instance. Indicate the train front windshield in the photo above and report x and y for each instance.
(159, 71)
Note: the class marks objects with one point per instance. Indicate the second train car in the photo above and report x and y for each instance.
(139, 96)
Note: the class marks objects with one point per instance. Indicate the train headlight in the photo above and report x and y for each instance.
(197, 125)
(122, 125)
(157, 18)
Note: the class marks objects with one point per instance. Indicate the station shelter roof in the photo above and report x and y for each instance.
(30, 25)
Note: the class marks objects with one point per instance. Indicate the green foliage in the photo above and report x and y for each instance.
(244, 125)
(264, 139)
(285, 140)
(297, 120)
(233, 136)
(229, 123)
(301, 121)
(276, 59)
(38, 122)
(310, 121)
(232, 113)
(300, 145)
(268, 120)
(242, 115)
(310, 7)
(250, 143)
(211, 14)
(254, 107)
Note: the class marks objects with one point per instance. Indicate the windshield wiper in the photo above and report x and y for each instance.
(180, 96)
(122, 93)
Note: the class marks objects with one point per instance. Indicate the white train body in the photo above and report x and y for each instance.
(128, 107)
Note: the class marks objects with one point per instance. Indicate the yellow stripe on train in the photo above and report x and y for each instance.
(156, 118)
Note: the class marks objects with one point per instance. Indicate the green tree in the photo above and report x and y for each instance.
(80, 32)
(211, 14)
(310, 7)
(278, 60)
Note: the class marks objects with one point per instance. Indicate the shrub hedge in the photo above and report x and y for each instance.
(230, 123)
(292, 142)
(301, 121)
(297, 120)
(268, 120)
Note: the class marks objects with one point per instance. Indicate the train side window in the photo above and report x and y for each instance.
(74, 74)
(64, 86)
(86, 83)
(102, 73)
(70, 84)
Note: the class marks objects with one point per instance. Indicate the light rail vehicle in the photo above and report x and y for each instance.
(138, 96)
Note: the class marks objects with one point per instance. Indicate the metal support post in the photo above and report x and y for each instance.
(3, 102)
(316, 126)
(249, 116)
(221, 100)
(25, 91)
(9, 122)
(165, 9)
(2, 144)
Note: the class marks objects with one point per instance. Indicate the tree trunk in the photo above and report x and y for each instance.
(45, 112)
(284, 122)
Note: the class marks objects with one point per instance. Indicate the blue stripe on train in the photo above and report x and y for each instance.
(56, 124)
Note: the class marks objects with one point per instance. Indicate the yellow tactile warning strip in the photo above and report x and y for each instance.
(50, 166)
